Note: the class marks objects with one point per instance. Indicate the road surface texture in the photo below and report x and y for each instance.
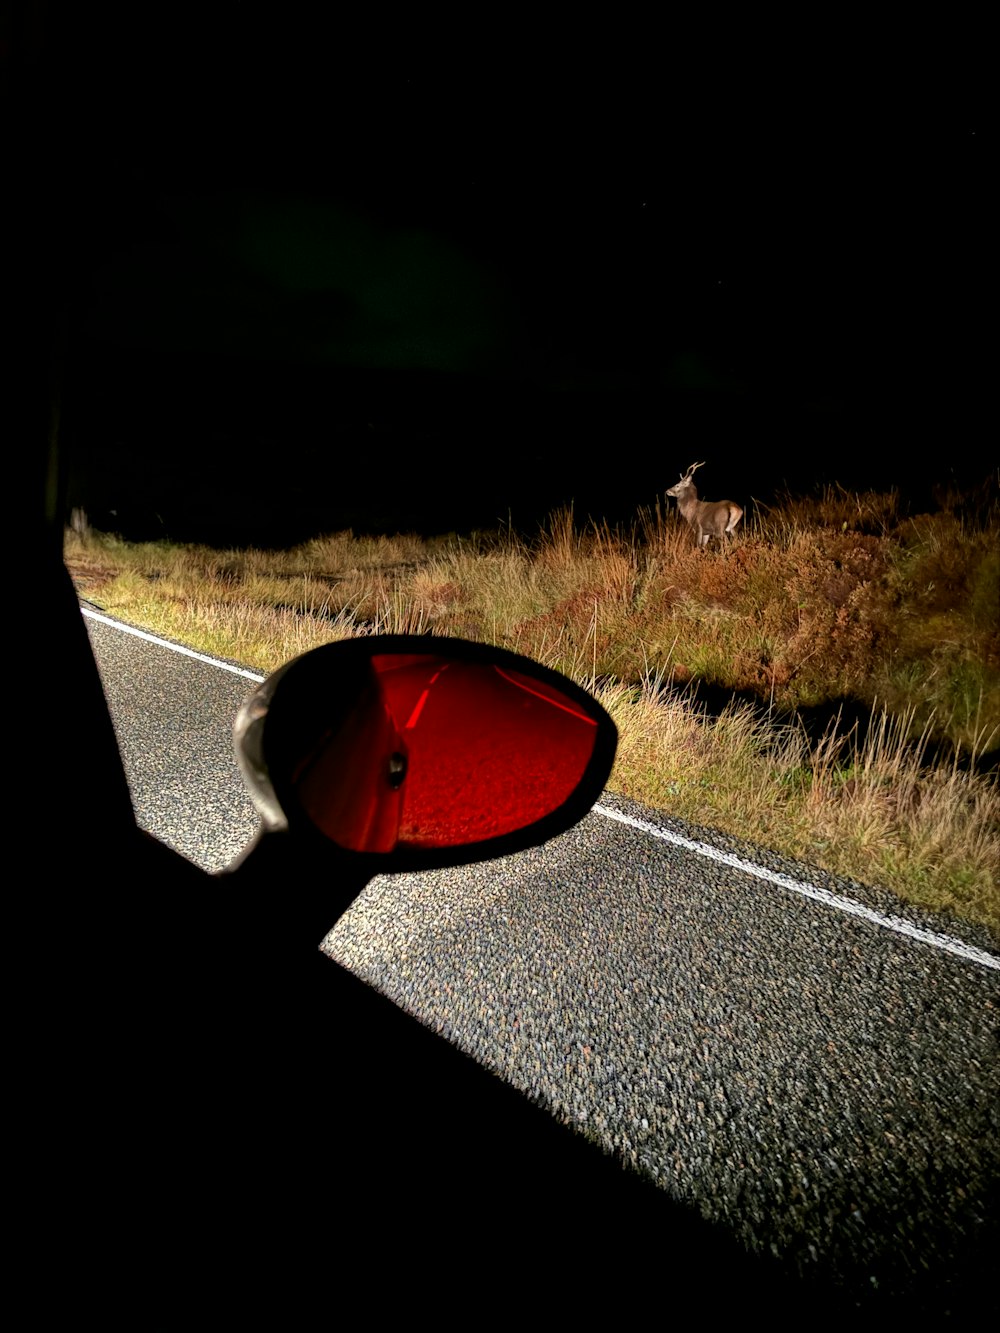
(803, 1061)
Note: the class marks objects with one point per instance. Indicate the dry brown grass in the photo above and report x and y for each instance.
(834, 606)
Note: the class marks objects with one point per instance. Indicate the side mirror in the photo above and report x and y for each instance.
(422, 752)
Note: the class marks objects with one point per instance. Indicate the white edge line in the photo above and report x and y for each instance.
(174, 647)
(895, 923)
(963, 950)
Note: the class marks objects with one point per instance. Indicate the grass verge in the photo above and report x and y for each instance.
(828, 685)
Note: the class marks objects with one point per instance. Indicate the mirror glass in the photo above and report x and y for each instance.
(435, 751)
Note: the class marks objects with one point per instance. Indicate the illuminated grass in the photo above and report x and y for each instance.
(839, 606)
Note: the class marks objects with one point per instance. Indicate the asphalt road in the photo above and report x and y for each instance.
(799, 1058)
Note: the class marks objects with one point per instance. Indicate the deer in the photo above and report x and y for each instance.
(706, 518)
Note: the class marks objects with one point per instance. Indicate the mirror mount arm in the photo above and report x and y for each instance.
(294, 885)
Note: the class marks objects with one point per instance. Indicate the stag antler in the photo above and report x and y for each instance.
(692, 470)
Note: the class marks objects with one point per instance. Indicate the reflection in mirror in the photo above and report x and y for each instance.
(440, 752)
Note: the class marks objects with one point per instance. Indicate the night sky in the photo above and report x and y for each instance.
(357, 275)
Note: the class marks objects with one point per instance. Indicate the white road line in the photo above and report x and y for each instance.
(895, 923)
(901, 927)
(174, 647)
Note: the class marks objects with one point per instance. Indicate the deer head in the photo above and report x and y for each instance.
(685, 480)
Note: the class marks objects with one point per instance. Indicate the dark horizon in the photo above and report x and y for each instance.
(284, 452)
(417, 283)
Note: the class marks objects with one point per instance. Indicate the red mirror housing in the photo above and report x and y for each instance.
(425, 751)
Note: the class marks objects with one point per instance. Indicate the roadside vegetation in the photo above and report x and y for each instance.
(828, 686)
